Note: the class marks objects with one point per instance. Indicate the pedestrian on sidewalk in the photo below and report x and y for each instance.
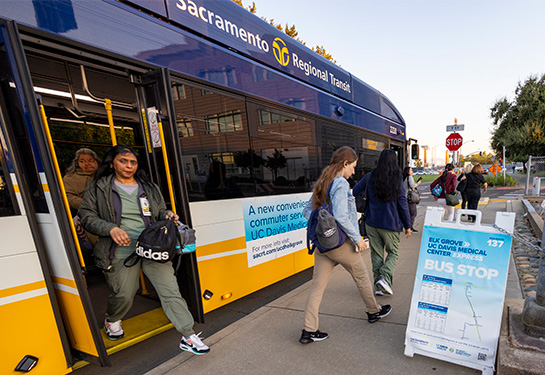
(462, 184)
(447, 181)
(117, 206)
(473, 189)
(410, 184)
(387, 214)
(340, 168)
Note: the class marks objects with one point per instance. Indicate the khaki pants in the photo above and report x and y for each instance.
(125, 281)
(323, 266)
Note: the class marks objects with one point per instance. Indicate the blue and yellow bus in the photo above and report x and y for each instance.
(233, 119)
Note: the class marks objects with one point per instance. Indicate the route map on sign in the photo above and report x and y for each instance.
(468, 288)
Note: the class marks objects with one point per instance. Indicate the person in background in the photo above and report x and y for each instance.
(409, 184)
(78, 175)
(117, 206)
(473, 188)
(462, 185)
(340, 168)
(448, 182)
(386, 215)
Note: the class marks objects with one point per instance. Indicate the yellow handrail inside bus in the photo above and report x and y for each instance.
(167, 168)
(61, 185)
(108, 106)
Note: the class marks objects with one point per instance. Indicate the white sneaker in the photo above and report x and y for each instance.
(194, 344)
(383, 285)
(379, 293)
(113, 330)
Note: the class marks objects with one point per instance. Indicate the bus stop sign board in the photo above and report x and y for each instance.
(454, 142)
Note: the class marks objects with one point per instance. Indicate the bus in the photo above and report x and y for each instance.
(233, 120)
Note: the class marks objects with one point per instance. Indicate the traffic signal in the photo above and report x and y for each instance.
(415, 149)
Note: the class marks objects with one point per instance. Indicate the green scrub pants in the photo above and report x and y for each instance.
(125, 281)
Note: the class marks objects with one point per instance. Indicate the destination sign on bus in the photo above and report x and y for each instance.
(252, 36)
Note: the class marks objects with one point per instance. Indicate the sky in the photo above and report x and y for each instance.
(436, 60)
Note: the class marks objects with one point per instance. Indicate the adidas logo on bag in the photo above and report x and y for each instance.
(330, 232)
(148, 254)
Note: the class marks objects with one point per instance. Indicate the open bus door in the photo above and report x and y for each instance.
(157, 113)
(48, 219)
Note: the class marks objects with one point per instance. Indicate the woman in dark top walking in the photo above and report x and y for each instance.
(462, 183)
(473, 188)
(387, 214)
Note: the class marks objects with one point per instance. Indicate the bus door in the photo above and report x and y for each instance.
(164, 151)
(36, 189)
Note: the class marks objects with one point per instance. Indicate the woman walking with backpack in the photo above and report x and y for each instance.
(335, 175)
(447, 182)
(117, 206)
(386, 215)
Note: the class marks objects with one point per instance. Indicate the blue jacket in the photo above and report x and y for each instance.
(343, 204)
(393, 215)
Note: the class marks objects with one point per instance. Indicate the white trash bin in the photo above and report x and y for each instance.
(536, 186)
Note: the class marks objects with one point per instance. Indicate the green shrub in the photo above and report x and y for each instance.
(499, 181)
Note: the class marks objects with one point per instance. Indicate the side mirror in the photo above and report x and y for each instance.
(415, 149)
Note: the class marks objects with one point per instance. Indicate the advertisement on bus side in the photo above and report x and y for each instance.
(274, 226)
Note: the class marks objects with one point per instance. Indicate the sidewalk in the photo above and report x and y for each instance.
(266, 341)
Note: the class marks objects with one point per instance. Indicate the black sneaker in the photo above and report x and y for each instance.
(385, 310)
(414, 230)
(308, 337)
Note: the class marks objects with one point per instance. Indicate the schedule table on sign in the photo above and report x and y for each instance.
(435, 290)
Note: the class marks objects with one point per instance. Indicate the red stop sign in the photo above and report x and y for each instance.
(454, 141)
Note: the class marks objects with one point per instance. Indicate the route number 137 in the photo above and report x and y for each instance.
(495, 243)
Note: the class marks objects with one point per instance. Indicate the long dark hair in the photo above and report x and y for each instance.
(448, 167)
(105, 169)
(406, 172)
(386, 177)
(342, 155)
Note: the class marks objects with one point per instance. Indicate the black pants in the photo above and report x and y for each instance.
(412, 212)
(464, 199)
(472, 204)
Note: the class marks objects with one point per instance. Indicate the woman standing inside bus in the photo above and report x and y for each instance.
(78, 175)
(386, 215)
(118, 205)
(340, 168)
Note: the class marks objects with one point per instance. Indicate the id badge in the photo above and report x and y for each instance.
(144, 204)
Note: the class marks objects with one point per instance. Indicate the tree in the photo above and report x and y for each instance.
(478, 158)
(248, 160)
(520, 125)
(320, 50)
(276, 162)
(288, 30)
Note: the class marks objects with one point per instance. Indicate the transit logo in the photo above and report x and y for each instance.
(281, 52)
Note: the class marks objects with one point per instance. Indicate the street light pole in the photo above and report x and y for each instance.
(463, 143)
